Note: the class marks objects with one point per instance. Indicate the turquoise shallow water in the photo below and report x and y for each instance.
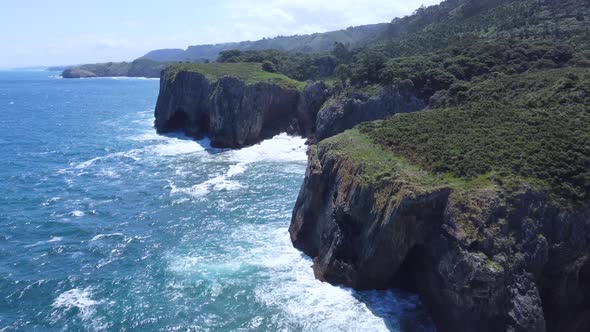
(105, 225)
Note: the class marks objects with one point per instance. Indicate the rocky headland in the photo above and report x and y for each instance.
(451, 160)
(137, 68)
(240, 104)
(480, 256)
(494, 241)
(441, 202)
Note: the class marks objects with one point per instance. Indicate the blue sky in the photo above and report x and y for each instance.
(42, 32)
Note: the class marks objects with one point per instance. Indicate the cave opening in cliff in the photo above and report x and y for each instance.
(177, 122)
(409, 272)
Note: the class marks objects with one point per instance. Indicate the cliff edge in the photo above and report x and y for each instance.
(235, 104)
(239, 104)
(477, 253)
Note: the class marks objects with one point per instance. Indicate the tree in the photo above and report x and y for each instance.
(341, 53)
(370, 66)
(268, 66)
(227, 56)
(343, 73)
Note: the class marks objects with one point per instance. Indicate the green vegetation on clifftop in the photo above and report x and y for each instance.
(250, 73)
(533, 126)
(391, 174)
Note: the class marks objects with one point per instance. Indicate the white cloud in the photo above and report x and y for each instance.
(231, 21)
(262, 18)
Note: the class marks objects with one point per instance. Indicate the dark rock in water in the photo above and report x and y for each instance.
(487, 260)
(347, 111)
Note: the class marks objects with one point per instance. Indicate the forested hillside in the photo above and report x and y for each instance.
(312, 43)
(455, 20)
(443, 31)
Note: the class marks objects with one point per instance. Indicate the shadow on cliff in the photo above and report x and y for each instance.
(400, 310)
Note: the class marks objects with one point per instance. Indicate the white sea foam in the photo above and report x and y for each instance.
(281, 148)
(55, 239)
(236, 170)
(195, 191)
(76, 298)
(218, 183)
(286, 282)
(109, 173)
(51, 240)
(51, 201)
(150, 135)
(131, 154)
(105, 236)
(204, 267)
(77, 213)
(11, 103)
(327, 308)
(301, 297)
(176, 146)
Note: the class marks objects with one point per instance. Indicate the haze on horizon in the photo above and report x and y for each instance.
(67, 32)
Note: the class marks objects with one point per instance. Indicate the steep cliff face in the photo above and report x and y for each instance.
(479, 257)
(312, 99)
(235, 113)
(232, 113)
(183, 104)
(243, 114)
(345, 112)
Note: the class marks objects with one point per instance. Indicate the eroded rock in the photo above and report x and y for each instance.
(485, 260)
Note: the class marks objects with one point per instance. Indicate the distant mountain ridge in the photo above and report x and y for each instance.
(312, 43)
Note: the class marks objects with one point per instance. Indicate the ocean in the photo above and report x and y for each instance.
(107, 226)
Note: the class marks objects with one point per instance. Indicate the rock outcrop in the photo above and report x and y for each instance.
(241, 114)
(311, 101)
(77, 73)
(346, 111)
(183, 104)
(232, 113)
(235, 114)
(482, 259)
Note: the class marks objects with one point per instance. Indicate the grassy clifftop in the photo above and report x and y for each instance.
(533, 127)
(250, 73)
(381, 166)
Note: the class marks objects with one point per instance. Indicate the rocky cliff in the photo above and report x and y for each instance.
(77, 73)
(137, 68)
(481, 257)
(349, 109)
(234, 113)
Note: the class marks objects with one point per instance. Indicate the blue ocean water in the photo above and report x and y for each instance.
(105, 225)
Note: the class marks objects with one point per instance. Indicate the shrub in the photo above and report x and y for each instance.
(268, 66)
